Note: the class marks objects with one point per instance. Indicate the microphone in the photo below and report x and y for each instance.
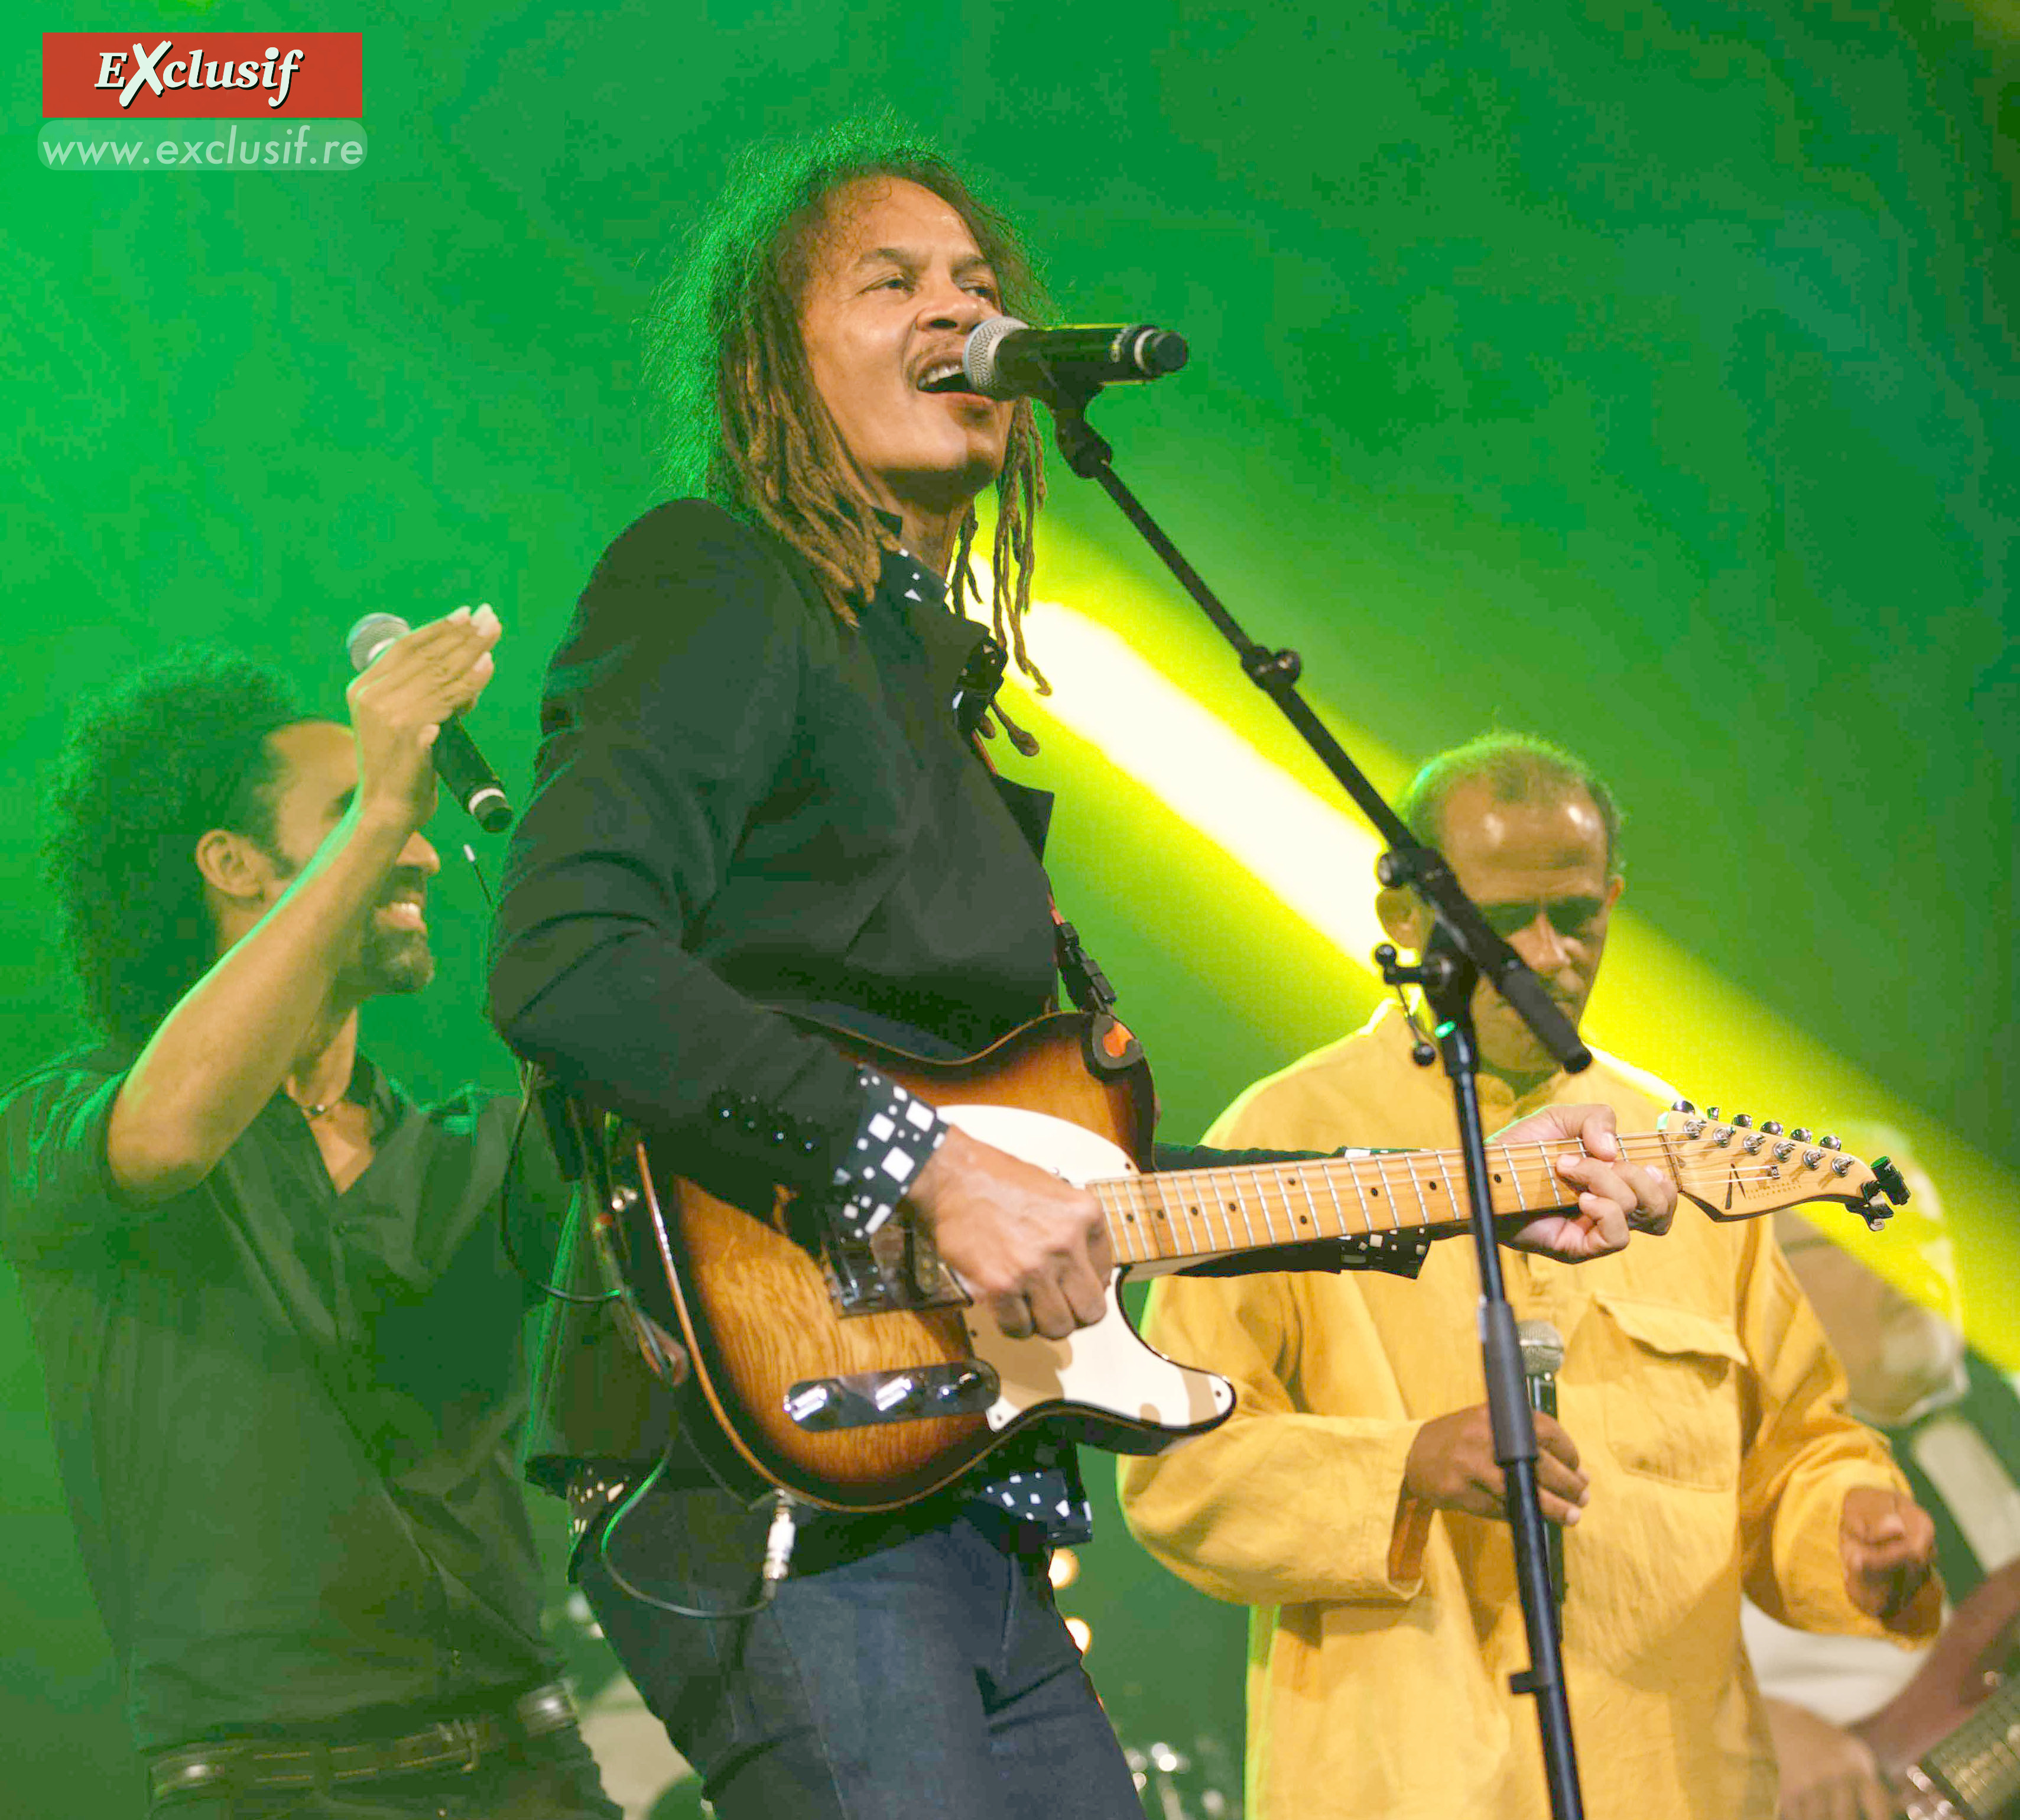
(1005, 358)
(458, 763)
(1542, 1358)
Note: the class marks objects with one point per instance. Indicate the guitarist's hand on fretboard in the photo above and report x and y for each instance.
(1034, 1246)
(1615, 1198)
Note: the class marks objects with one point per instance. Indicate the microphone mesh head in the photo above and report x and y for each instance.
(370, 635)
(1542, 1348)
(978, 357)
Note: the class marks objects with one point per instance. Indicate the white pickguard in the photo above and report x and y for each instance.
(1104, 1369)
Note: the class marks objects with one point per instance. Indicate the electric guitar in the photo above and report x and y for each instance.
(1947, 1742)
(857, 1375)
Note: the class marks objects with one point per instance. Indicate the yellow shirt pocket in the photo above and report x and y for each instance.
(1669, 1385)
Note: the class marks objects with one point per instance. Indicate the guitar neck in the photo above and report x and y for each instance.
(1731, 1171)
(1180, 1215)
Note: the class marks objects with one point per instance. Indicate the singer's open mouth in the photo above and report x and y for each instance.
(945, 376)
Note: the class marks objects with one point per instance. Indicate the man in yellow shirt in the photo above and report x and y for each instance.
(1354, 1500)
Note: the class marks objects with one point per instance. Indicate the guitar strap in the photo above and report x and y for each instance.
(1111, 1047)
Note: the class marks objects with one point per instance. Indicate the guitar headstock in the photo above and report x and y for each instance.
(1735, 1169)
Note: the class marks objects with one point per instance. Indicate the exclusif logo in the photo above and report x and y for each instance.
(91, 75)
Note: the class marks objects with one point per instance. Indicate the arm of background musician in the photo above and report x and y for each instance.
(1825, 1772)
(1804, 1453)
(668, 711)
(1276, 1506)
(224, 1050)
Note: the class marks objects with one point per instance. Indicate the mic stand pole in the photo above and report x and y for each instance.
(1461, 951)
(1447, 979)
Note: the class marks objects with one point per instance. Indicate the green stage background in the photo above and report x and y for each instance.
(1642, 375)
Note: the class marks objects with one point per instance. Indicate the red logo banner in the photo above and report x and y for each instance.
(203, 75)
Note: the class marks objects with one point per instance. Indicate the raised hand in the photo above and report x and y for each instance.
(399, 702)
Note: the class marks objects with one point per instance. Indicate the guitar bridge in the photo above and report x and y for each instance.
(895, 1269)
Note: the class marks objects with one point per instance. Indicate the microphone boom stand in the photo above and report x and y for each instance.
(1461, 951)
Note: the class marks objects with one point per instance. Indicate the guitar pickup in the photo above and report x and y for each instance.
(864, 1399)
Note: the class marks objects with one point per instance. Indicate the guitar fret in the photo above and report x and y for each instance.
(1544, 1175)
(1122, 1239)
(1203, 1202)
(1161, 1230)
(1514, 1176)
(1416, 1183)
(1234, 1183)
(1276, 1204)
(1189, 1208)
(1262, 1204)
(1281, 1188)
(1381, 1172)
(1302, 1175)
(1332, 1189)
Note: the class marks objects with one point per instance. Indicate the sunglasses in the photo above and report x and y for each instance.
(1569, 916)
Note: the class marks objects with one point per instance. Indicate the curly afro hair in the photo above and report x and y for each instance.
(145, 771)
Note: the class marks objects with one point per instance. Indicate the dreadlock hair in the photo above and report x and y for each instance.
(742, 423)
(1516, 768)
(144, 773)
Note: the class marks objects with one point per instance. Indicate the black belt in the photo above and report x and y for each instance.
(245, 1764)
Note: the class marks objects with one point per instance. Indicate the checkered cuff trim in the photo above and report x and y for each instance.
(898, 1132)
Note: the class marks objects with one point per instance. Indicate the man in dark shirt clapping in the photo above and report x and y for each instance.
(280, 1345)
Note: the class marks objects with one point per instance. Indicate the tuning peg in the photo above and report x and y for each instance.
(1711, 1112)
(1873, 1208)
(1889, 1176)
(1772, 1127)
(1830, 1142)
(1681, 1106)
(1743, 1119)
(1801, 1133)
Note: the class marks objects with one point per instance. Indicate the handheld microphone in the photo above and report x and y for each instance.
(1542, 1358)
(1005, 358)
(458, 763)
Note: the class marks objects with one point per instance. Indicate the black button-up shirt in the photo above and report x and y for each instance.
(742, 803)
(282, 1414)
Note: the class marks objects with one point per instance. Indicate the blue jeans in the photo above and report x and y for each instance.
(926, 1676)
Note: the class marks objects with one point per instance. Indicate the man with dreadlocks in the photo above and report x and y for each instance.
(281, 1350)
(757, 792)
